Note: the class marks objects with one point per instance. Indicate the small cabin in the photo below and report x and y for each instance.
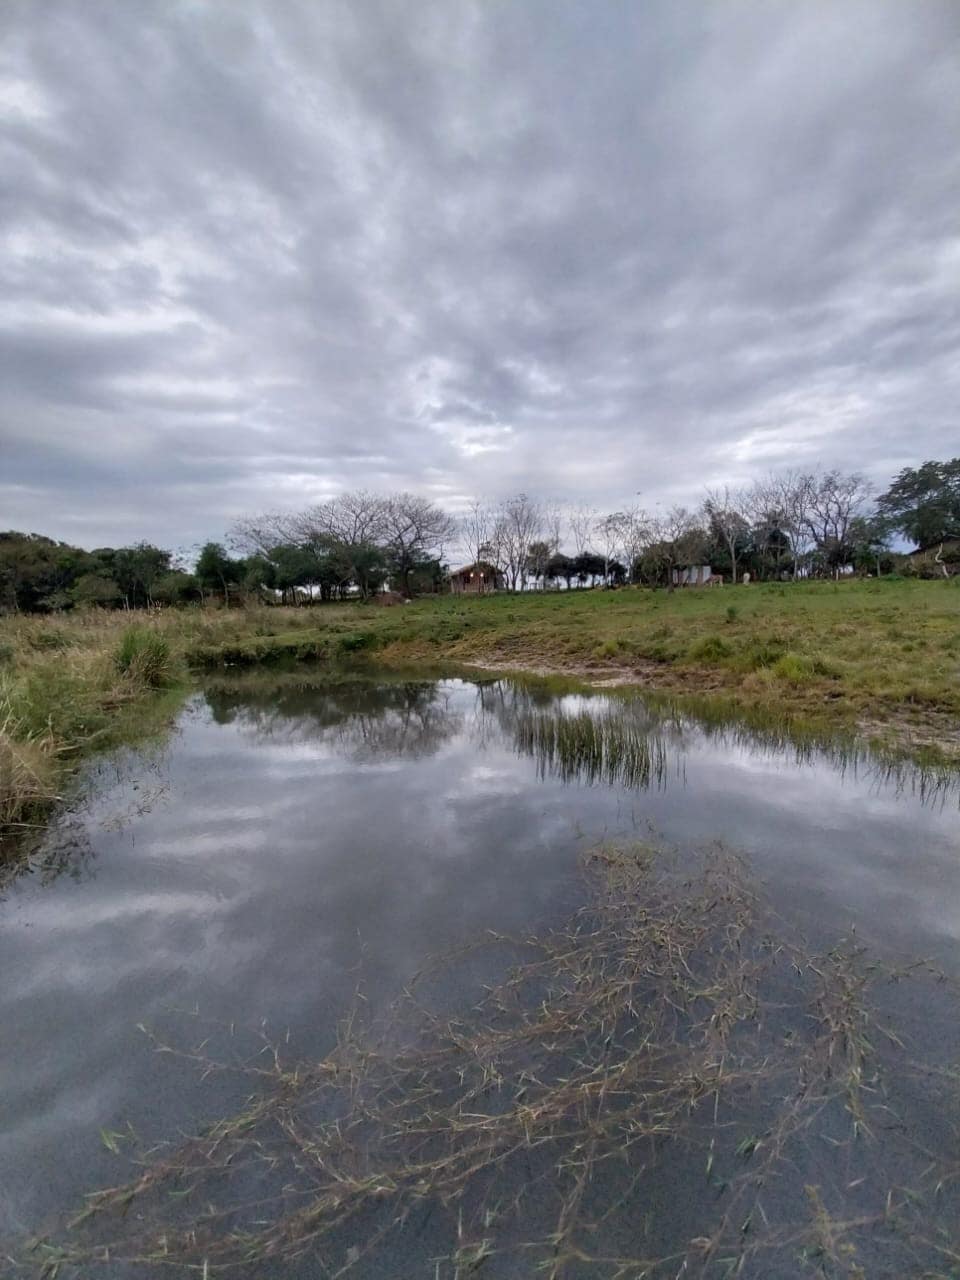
(692, 575)
(937, 559)
(476, 579)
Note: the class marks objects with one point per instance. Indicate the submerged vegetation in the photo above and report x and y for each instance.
(664, 1085)
(875, 659)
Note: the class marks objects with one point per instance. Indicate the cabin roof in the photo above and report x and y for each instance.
(484, 565)
(935, 545)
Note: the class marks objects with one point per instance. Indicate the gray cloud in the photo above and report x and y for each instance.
(255, 253)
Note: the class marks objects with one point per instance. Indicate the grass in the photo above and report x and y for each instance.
(879, 659)
(68, 689)
(664, 1085)
(143, 656)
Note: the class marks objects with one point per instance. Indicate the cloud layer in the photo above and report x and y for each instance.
(253, 254)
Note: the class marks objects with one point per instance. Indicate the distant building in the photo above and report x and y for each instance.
(938, 558)
(951, 547)
(692, 575)
(476, 579)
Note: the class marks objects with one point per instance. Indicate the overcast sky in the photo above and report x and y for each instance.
(253, 254)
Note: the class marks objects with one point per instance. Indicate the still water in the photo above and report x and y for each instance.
(289, 842)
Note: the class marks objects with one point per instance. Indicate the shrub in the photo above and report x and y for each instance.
(659, 651)
(50, 638)
(794, 668)
(144, 656)
(765, 653)
(357, 641)
(710, 649)
(608, 649)
(759, 683)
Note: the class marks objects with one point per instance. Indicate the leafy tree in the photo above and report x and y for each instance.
(36, 573)
(216, 571)
(561, 566)
(176, 587)
(589, 565)
(95, 589)
(137, 569)
(869, 540)
(257, 573)
(538, 560)
(362, 564)
(427, 576)
(923, 503)
(294, 568)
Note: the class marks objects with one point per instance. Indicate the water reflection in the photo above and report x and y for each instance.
(296, 834)
(618, 737)
(410, 719)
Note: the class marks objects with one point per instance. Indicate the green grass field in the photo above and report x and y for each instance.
(876, 658)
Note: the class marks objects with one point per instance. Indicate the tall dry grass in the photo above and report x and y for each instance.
(88, 680)
(62, 695)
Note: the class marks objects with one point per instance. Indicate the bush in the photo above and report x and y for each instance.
(50, 638)
(608, 649)
(765, 653)
(357, 641)
(794, 668)
(144, 656)
(710, 649)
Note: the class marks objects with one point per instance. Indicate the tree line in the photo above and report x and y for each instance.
(793, 524)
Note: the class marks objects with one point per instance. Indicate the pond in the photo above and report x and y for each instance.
(295, 842)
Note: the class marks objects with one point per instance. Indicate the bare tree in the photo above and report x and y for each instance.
(784, 500)
(552, 525)
(581, 521)
(519, 522)
(354, 519)
(414, 529)
(636, 537)
(836, 501)
(477, 532)
(351, 530)
(724, 510)
(677, 540)
(261, 534)
(611, 532)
